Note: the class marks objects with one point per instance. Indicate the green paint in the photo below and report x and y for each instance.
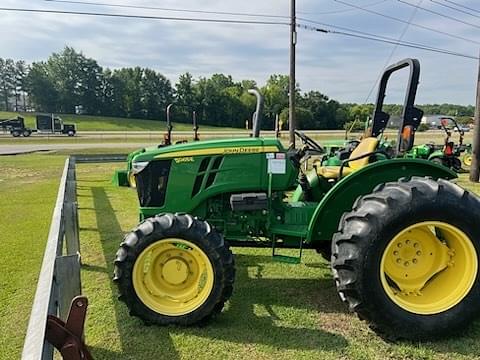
(203, 175)
(341, 197)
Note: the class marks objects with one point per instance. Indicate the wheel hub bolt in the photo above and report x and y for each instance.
(419, 253)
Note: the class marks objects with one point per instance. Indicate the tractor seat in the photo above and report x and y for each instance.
(366, 146)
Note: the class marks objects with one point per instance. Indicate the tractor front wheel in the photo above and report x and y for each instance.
(174, 269)
(406, 258)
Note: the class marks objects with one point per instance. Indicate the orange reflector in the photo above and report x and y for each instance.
(407, 133)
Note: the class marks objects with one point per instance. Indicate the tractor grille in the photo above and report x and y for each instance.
(152, 183)
(208, 170)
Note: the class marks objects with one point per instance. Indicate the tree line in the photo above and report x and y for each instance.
(69, 80)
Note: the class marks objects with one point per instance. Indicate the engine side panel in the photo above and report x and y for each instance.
(196, 176)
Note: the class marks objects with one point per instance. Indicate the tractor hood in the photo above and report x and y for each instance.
(210, 147)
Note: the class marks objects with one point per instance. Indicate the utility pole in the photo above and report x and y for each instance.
(293, 42)
(475, 167)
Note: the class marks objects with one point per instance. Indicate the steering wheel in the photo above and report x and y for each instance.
(313, 145)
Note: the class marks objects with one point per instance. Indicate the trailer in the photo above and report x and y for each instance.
(16, 127)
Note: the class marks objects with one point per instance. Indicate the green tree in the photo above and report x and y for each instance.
(77, 80)
(127, 84)
(304, 118)
(156, 94)
(186, 102)
(20, 74)
(323, 110)
(7, 81)
(41, 89)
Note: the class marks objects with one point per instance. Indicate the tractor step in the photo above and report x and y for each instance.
(285, 258)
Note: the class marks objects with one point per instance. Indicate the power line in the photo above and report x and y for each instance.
(148, 17)
(462, 6)
(395, 47)
(351, 34)
(378, 39)
(440, 14)
(340, 11)
(454, 8)
(367, 33)
(406, 22)
(167, 9)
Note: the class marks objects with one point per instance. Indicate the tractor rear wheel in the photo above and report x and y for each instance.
(467, 160)
(406, 258)
(174, 269)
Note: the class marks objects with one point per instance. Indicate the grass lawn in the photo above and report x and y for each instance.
(279, 311)
(104, 123)
(28, 188)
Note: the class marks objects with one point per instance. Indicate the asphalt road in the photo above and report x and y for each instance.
(15, 149)
(137, 139)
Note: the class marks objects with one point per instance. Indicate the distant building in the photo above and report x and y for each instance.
(433, 121)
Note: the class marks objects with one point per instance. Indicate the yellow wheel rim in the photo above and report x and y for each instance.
(173, 277)
(429, 267)
(132, 180)
(467, 159)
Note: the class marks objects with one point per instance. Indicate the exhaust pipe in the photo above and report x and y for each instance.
(257, 118)
(168, 136)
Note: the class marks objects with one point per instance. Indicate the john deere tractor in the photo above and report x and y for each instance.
(404, 240)
(448, 154)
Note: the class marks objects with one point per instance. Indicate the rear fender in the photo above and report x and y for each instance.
(436, 154)
(340, 198)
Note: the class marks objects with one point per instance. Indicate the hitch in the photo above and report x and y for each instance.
(67, 337)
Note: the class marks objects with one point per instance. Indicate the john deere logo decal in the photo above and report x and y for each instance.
(242, 150)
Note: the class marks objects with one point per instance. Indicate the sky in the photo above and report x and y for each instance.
(344, 68)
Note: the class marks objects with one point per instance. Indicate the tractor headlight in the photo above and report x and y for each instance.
(139, 166)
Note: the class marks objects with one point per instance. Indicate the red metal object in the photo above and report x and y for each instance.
(67, 337)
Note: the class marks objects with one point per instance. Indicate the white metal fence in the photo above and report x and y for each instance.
(59, 280)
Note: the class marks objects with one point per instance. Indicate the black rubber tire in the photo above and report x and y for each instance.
(456, 164)
(184, 227)
(16, 133)
(26, 133)
(71, 133)
(363, 236)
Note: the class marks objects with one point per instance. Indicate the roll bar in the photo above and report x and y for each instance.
(411, 116)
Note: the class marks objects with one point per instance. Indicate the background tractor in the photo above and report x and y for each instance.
(404, 255)
(451, 154)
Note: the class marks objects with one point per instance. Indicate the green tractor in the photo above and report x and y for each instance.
(450, 154)
(404, 254)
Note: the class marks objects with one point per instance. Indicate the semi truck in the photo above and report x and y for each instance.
(45, 124)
